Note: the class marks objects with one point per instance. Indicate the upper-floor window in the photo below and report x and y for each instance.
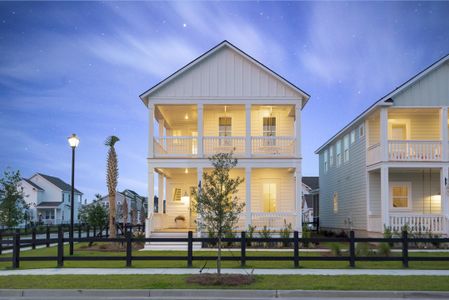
(326, 164)
(361, 130)
(225, 129)
(353, 136)
(346, 148)
(269, 129)
(338, 150)
(331, 156)
(399, 130)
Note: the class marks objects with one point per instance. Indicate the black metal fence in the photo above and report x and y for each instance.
(127, 240)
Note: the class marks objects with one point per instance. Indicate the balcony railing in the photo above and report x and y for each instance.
(261, 146)
(273, 220)
(414, 150)
(419, 223)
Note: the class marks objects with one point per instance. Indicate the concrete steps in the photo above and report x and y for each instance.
(175, 246)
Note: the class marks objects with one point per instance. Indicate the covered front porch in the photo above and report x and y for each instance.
(270, 197)
(412, 198)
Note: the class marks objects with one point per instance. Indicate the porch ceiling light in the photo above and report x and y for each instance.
(186, 171)
(185, 198)
(186, 117)
(73, 141)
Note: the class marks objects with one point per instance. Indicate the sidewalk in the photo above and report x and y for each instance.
(186, 271)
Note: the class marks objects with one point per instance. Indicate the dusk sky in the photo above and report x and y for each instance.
(79, 68)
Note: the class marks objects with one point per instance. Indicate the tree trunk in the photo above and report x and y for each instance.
(112, 228)
(219, 255)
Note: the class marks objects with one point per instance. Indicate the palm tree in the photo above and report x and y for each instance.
(111, 180)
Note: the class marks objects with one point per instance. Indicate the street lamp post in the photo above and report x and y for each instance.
(73, 142)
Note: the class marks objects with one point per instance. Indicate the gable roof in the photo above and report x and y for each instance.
(387, 99)
(49, 204)
(313, 182)
(208, 53)
(32, 184)
(59, 183)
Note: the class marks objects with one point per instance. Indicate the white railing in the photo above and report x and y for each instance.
(274, 220)
(273, 145)
(373, 155)
(53, 221)
(224, 144)
(175, 146)
(419, 223)
(414, 150)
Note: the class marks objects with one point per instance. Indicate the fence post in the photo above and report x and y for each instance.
(60, 258)
(47, 237)
(351, 249)
(405, 249)
(16, 250)
(33, 238)
(189, 249)
(296, 248)
(107, 230)
(243, 249)
(128, 249)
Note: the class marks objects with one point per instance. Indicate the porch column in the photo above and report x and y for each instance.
(248, 130)
(199, 219)
(385, 195)
(200, 108)
(384, 134)
(161, 128)
(444, 133)
(248, 215)
(298, 129)
(160, 189)
(443, 191)
(149, 221)
(150, 130)
(298, 200)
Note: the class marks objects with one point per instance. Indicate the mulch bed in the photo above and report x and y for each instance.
(109, 247)
(221, 280)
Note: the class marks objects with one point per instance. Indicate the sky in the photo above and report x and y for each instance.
(69, 67)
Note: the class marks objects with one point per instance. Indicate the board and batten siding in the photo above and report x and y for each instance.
(349, 181)
(431, 90)
(225, 74)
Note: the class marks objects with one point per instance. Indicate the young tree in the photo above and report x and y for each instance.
(13, 207)
(125, 213)
(111, 179)
(215, 199)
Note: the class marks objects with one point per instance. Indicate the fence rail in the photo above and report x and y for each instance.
(243, 240)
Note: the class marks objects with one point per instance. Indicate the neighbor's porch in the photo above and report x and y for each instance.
(270, 197)
(414, 197)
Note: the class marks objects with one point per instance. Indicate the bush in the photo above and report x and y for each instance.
(306, 233)
(384, 249)
(342, 234)
(265, 233)
(362, 249)
(285, 233)
(336, 249)
(388, 234)
(250, 234)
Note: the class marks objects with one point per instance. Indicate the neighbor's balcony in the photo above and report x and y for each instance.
(261, 146)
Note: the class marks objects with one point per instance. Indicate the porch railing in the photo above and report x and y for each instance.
(419, 223)
(273, 220)
(273, 145)
(414, 150)
(373, 155)
(175, 146)
(224, 144)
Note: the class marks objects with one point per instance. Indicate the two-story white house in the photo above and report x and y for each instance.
(225, 101)
(49, 199)
(389, 166)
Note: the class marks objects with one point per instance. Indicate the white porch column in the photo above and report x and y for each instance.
(161, 195)
(384, 134)
(199, 219)
(444, 133)
(150, 130)
(149, 220)
(298, 136)
(298, 200)
(385, 195)
(200, 126)
(443, 190)
(248, 130)
(248, 214)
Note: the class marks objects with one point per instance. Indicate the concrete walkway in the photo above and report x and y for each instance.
(186, 271)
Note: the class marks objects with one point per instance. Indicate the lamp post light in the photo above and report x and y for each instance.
(73, 142)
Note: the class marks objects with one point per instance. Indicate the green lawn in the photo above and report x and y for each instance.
(211, 264)
(267, 282)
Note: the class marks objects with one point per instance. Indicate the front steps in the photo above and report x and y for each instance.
(166, 246)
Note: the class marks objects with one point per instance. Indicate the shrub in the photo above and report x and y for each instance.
(229, 235)
(388, 234)
(250, 234)
(139, 235)
(336, 249)
(306, 233)
(285, 233)
(211, 235)
(342, 234)
(384, 249)
(362, 249)
(265, 233)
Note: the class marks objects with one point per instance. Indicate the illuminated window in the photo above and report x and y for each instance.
(346, 148)
(400, 193)
(269, 197)
(361, 131)
(269, 130)
(335, 202)
(225, 130)
(331, 156)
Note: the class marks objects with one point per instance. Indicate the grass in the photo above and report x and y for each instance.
(265, 282)
(211, 264)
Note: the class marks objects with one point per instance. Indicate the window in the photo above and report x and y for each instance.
(269, 130)
(225, 130)
(400, 194)
(335, 202)
(361, 130)
(346, 148)
(326, 164)
(338, 156)
(352, 136)
(398, 132)
(269, 197)
(331, 156)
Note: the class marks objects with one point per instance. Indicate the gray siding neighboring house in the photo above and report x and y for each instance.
(136, 206)
(396, 173)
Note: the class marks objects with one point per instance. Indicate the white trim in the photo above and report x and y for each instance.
(408, 184)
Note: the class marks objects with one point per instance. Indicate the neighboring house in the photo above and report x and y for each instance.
(49, 199)
(389, 166)
(225, 101)
(310, 207)
(136, 206)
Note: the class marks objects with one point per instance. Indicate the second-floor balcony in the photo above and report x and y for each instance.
(259, 146)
